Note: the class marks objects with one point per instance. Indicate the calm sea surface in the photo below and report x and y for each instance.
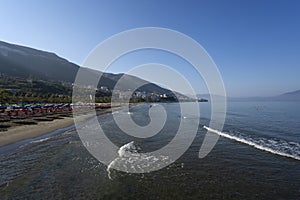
(256, 157)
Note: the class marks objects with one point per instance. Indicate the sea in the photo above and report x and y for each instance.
(257, 156)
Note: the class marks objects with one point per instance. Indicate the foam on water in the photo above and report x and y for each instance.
(130, 160)
(282, 148)
(41, 140)
(127, 150)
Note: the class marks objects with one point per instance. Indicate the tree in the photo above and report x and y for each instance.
(5, 95)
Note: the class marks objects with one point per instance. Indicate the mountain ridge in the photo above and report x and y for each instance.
(27, 62)
(287, 96)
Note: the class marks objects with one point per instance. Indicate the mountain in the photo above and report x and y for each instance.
(22, 61)
(31, 63)
(289, 96)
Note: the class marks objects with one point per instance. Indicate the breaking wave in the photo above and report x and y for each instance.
(278, 147)
(130, 160)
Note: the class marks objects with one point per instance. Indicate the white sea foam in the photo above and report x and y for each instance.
(281, 148)
(130, 160)
(41, 140)
(127, 150)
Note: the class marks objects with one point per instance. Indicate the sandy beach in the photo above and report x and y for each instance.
(18, 133)
(16, 130)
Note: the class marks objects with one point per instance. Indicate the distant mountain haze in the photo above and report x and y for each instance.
(289, 96)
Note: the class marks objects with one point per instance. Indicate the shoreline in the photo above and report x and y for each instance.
(18, 133)
(23, 132)
(40, 127)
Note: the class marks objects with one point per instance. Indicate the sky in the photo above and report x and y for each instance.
(255, 44)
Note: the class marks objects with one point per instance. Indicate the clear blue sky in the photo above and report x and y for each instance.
(255, 44)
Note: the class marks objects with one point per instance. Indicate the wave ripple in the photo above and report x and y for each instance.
(281, 147)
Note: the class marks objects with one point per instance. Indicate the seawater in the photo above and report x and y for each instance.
(257, 156)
